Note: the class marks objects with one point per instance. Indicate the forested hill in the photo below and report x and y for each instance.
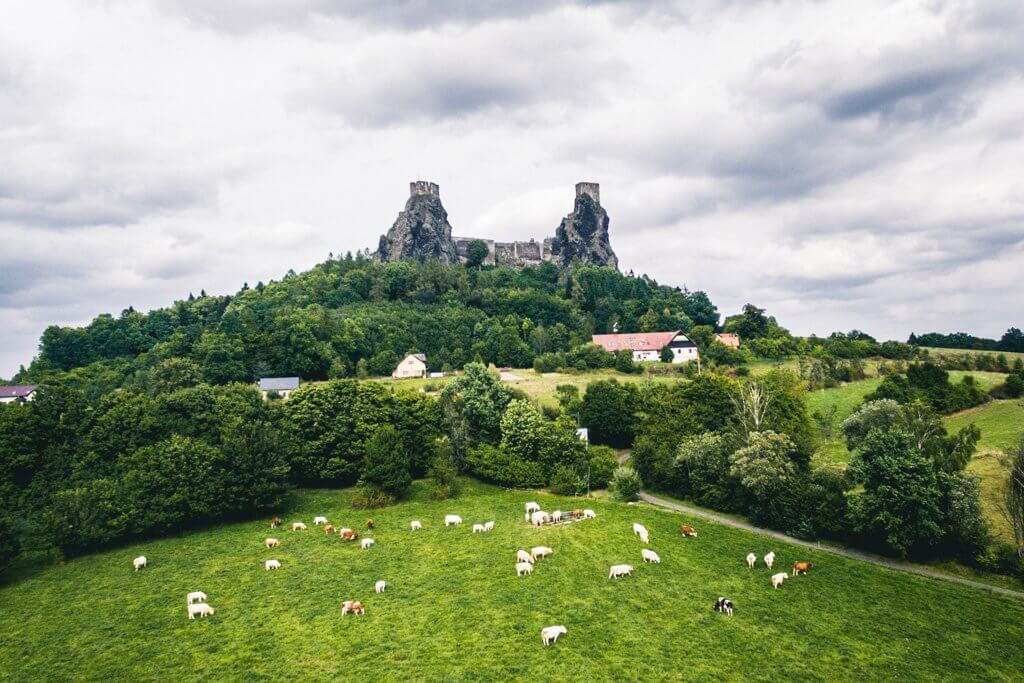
(352, 316)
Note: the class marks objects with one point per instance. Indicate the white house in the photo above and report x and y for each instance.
(647, 346)
(413, 365)
(20, 393)
(282, 386)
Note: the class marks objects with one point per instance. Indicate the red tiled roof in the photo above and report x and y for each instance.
(17, 391)
(634, 341)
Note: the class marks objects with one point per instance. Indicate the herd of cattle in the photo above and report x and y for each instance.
(525, 561)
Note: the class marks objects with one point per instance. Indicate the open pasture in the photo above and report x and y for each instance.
(454, 608)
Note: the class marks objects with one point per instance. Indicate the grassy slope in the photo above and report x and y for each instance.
(935, 351)
(455, 609)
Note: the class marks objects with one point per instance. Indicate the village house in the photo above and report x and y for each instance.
(281, 386)
(647, 346)
(413, 365)
(729, 339)
(20, 393)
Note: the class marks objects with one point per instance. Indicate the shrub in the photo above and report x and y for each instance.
(8, 543)
(493, 464)
(603, 464)
(625, 484)
(565, 481)
(368, 496)
(444, 477)
(386, 464)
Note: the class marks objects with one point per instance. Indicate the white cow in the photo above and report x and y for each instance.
(415, 524)
(478, 528)
(644, 537)
(488, 525)
(195, 596)
(379, 586)
(271, 542)
(523, 568)
(452, 519)
(298, 526)
(201, 609)
(550, 634)
(650, 556)
(541, 551)
(589, 514)
(751, 560)
(769, 559)
(139, 562)
(366, 543)
(532, 507)
(538, 517)
(777, 579)
(523, 556)
(319, 520)
(618, 570)
(556, 516)
(271, 564)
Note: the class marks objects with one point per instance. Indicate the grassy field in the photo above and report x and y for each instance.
(454, 609)
(846, 398)
(935, 351)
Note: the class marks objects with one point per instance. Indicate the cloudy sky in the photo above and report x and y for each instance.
(844, 164)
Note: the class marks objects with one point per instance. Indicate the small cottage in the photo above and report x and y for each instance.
(20, 393)
(647, 346)
(280, 386)
(413, 365)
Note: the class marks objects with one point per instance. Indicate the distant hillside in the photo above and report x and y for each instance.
(351, 316)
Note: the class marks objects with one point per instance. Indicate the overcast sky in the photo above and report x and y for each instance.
(843, 164)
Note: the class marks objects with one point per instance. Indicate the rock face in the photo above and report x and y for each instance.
(582, 236)
(421, 232)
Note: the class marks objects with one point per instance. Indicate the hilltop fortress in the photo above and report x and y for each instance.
(422, 232)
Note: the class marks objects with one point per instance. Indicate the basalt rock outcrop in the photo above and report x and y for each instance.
(421, 232)
(582, 236)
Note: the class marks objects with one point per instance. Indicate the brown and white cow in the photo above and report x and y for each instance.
(801, 567)
(688, 530)
(349, 535)
(275, 522)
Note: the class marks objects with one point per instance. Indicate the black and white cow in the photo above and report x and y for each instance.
(723, 605)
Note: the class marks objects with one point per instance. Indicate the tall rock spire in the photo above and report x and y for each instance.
(582, 236)
(421, 232)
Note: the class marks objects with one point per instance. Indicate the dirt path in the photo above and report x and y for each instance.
(889, 563)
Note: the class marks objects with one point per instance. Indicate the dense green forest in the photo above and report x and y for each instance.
(1012, 340)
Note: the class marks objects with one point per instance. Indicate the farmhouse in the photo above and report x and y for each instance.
(647, 346)
(281, 386)
(729, 339)
(18, 393)
(413, 365)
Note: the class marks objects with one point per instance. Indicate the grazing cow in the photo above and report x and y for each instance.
(353, 606)
(271, 564)
(539, 517)
(801, 567)
(523, 568)
(550, 634)
(329, 529)
(723, 605)
(650, 556)
(452, 519)
(195, 596)
(319, 521)
(344, 530)
(777, 579)
(488, 525)
(532, 507)
(618, 570)
(688, 530)
(415, 524)
(540, 551)
(478, 528)
(367, 542)
(556, 516)
(379, 586)
(275, 522)
(271, 542)
(639, 529)
(769, 559)
(751, 560)
(298, 526)
(139, 562)
(523, 556)
(349, 535)
(369, 523)
(589, 514)
(577, 513)
(201, 609)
